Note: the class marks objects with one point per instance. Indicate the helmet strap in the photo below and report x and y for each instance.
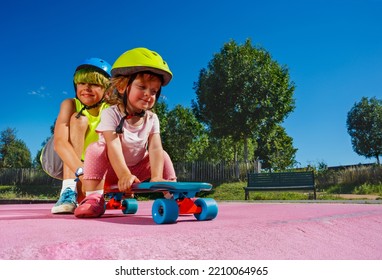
(127, 116)
(86, 107)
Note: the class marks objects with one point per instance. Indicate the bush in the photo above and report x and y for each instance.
(22, 191)
(348, 179)
(368, 189)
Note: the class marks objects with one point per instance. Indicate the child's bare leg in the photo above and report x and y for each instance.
(71, 191)
(78, 128)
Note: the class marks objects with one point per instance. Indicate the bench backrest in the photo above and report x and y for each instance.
(281, 179)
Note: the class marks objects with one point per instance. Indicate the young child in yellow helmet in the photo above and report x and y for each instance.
(129, 149)
(74, 130)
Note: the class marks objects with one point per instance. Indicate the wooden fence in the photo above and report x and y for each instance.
(26, 176)
(214, 172)
(189, 171)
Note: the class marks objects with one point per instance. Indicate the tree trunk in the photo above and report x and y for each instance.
(237, 171)
(246, 154)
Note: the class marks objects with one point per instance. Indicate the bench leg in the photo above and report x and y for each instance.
(246, 197)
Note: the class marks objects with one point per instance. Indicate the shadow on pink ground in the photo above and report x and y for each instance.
(241, 231)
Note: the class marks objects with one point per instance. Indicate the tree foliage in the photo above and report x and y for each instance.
(184, 138)
(242, 93)
(276, 150)
(364, 125)
(13, 152)
(227, 150)
(242, 90)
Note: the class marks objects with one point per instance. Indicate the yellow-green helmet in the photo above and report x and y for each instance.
(138, 60)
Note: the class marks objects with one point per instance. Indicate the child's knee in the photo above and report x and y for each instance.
(80, 123)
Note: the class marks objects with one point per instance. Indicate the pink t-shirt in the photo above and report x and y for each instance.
(134, 139)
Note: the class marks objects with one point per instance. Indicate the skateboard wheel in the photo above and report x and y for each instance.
(209, 209)
(165, 211)
(130, 206)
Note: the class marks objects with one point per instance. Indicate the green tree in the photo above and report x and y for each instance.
(184, 138)
(276, 151)
(216, 149)
(364, 125)
(13, 152)
(242, 92)
(225, 149)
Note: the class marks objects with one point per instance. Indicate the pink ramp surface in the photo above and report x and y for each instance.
(251, 231)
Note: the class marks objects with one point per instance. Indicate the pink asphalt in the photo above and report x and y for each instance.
(241, 231)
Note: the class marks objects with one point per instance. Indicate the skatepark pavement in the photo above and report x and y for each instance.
(241, 231)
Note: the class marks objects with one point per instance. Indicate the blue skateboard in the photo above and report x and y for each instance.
(165, 211)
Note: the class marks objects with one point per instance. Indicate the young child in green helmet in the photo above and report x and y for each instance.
(129, 149)
(75, 129)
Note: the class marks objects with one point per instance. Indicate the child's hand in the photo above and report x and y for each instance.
(160, 179)
(166, 194)
(125, 182)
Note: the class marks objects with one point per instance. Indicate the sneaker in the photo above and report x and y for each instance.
(93, 206)
(67, 202)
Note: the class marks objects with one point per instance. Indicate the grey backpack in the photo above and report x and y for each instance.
(50, 161)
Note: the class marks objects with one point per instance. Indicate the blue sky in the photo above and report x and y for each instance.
(333, 50)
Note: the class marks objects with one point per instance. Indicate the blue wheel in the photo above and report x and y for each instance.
(131, 206)
(209, 209)
(165, 211)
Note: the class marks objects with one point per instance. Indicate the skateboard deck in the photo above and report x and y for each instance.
(181, 200)
(188, 189)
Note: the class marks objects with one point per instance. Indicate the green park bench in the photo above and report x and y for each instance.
(280, 181)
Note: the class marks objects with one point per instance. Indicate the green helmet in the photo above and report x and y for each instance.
(141, 59)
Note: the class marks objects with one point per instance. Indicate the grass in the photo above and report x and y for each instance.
(368, 189)
(234, 191)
